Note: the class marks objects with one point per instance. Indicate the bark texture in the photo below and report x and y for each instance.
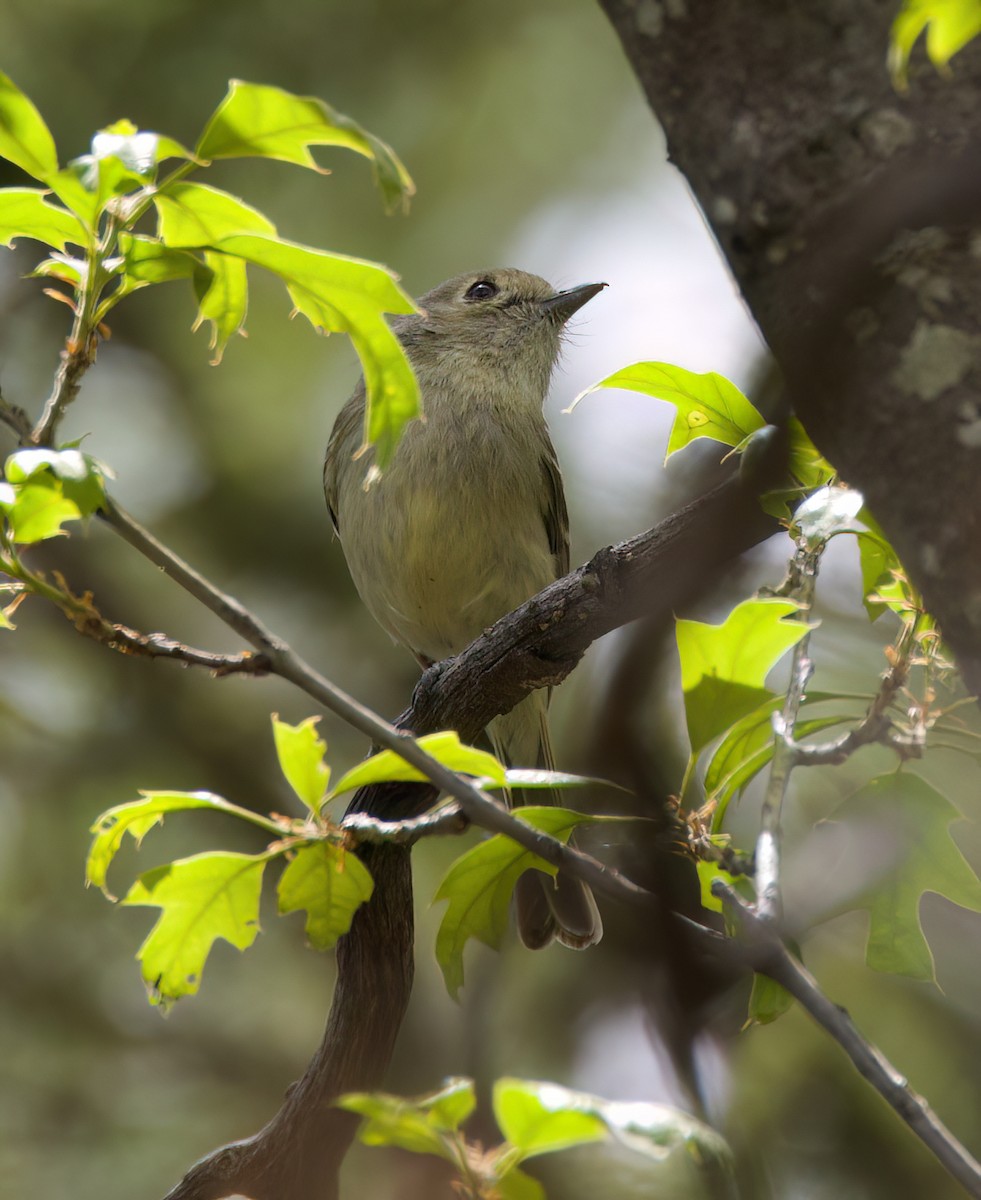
(850, 215)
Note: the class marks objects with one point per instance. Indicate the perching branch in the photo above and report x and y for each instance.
(769, 956)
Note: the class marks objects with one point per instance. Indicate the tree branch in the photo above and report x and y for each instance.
(768, 955)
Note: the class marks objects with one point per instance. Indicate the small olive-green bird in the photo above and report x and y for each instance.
(469, 520)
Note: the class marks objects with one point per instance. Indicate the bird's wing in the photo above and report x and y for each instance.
(555, 513)
(344, 441)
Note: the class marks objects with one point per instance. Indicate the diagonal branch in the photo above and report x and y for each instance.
(767, 954)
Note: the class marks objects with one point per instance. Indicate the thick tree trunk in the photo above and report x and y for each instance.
(851, 219)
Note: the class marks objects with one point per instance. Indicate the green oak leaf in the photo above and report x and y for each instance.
(138, 817)
(723, 667)
(539, 1118)
(301, 759)
(24, 212)
(147, 260)
(328, 883)
(913, 820)
(25, 140)
(804, 460)
(516, 1185)
(256, 120)
(208, 896)
(445, 747)
(950, 26)
(878, 562)
(348, 295)
(707, 405)
(479, 884)
(191, 215)
(36, 510)
(397, 1121)
(747, 747)
(767, 1001)
(222, 289)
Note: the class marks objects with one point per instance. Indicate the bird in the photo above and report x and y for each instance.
(469, 519)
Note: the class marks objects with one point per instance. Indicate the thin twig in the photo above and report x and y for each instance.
(767, 857)
(447, 819)
(16, 419)
(771, 958)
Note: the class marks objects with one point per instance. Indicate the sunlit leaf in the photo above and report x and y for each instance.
(222, 289)
(24, 212)
(147, 261)
(138, 817)
(396, 1121)
(652, 1130)
(301, 759)
(723, 667)
(24, 138)
(539, 1118)
(911, 822)
(479, 884)
(707, 405)
(328, 883)
(37, 510)
(201, 899)
(878, 561)
(747, 748)
(445, 747)
(80, 477)
(258, 120)
(194, 214)
(516, 1185)
(804, 460)
(348, 295)
(767, 1001)
(950, 26)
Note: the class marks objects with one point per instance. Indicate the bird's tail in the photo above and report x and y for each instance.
(546, 908)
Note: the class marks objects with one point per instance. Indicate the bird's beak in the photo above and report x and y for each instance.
(564, 304)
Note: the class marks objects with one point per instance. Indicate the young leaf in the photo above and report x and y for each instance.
(804, 460)
(138, 817)
(516, 1185)
(723, 667)
(913, 822)
(24, 212)
(38, 510)
(301, 759)
(747, 747)
(539, 1118)
(267, 122)
(878, 561)
(708, 405)
(767, 1001)
(395, 1121)
(328, 883)
(24, 138)
(80, 476)
(950, 25)
(191, 215)
(452, 1104)
(350, 296)
(201, 899)
(146, 260)
(445, 747)
(479, 884)
(653, 1130)
(222, 289)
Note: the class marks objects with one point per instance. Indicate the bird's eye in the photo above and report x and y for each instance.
(483, 289)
